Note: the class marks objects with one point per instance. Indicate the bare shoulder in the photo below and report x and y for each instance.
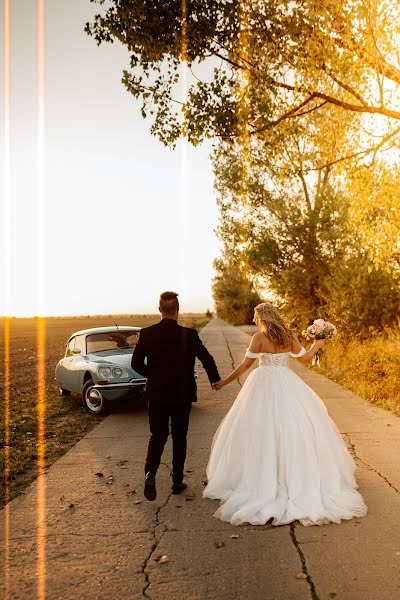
(256, 341)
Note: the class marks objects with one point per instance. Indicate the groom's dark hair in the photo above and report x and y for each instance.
(169, 304)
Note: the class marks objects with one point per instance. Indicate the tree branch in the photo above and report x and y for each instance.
(375, 110)
(360, 153)
(344, 86)
(290, 113)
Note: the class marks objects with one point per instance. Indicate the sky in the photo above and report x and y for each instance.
(123, 217)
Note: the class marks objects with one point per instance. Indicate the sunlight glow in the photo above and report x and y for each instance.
(41, 323)
(41, 459)
(6, 252)
(184, 201)
(244, 83)
(6, 217)
(6, 457)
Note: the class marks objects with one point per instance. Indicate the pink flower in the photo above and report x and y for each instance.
(319, 325)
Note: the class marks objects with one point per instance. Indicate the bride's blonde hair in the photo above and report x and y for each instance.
(272, 324)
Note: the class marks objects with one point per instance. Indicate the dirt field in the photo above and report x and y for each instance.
(66, 419)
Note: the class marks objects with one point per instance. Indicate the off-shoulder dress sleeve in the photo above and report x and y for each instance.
(249, 354)
(301, 353)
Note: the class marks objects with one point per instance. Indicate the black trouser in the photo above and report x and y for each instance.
(159, 417)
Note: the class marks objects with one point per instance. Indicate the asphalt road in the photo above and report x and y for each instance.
(101, 539)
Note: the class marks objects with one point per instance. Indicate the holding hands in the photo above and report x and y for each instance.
(218, 385)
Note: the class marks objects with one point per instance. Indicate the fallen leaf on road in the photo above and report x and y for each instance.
(99, 474)
(234, 536)
(189, 470)
(178, 506)
(131, 492)
(219, 544)
(110, 479)
(301, 576)
(138, 502)
(205, 482)
(162, 558)
(71, 506)
(62, 498)
(99, 492)
(121, 462)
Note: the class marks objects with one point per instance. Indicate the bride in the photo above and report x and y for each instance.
(277, 454)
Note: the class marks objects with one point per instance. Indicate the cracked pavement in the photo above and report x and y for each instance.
(104, 540)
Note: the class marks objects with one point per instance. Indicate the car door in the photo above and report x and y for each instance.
(64, 377)
(78, 365)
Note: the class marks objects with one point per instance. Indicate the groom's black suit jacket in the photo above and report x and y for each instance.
(171, 350)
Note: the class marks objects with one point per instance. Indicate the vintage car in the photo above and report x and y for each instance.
(97, 365)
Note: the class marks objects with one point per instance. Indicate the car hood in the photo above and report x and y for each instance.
(120, 359)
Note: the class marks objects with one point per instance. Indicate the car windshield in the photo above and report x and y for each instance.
(112, 340)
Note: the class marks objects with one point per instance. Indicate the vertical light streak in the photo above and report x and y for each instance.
(184, 209)
(41, 323)
(6, 457)
(7, 260)
(243, 118)
(41, 460)
(244, 83)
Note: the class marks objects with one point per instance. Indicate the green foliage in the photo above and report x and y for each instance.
(234, 293)
(301, 99)
(297, 58)
(297, 236)
(291, 229)
(363, 299)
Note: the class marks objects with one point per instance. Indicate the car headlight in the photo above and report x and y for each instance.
(119, 372)
(109, 372)
(104, 372)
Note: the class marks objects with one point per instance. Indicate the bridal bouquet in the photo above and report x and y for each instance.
(320, 330)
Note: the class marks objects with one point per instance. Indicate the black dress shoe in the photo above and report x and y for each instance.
(178, 487)
(150, 491)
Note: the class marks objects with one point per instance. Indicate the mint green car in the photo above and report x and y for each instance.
(97, 365)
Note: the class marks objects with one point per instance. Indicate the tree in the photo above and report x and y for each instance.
(302, 102)
(375, 213)
(361, 300)
(288, 228)
(234, 293)
(297, 58)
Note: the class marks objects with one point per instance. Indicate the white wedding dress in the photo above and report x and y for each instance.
(278, 455)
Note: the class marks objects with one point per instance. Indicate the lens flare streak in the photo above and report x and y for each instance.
(6, 253)
(41, 323)
(6, 511)
(184, 208)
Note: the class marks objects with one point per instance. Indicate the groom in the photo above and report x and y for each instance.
(165, 354)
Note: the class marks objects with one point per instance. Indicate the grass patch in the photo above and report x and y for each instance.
(370, 369)
(66, 419)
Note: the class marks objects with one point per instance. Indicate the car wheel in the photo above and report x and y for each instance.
(93, 399)
(64, 392)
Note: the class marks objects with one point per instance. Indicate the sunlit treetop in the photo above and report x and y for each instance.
(298, 59)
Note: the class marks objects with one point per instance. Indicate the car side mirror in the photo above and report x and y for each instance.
(76, 351)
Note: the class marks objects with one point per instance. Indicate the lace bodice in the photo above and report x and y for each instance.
(280, 359)
(269, 359)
